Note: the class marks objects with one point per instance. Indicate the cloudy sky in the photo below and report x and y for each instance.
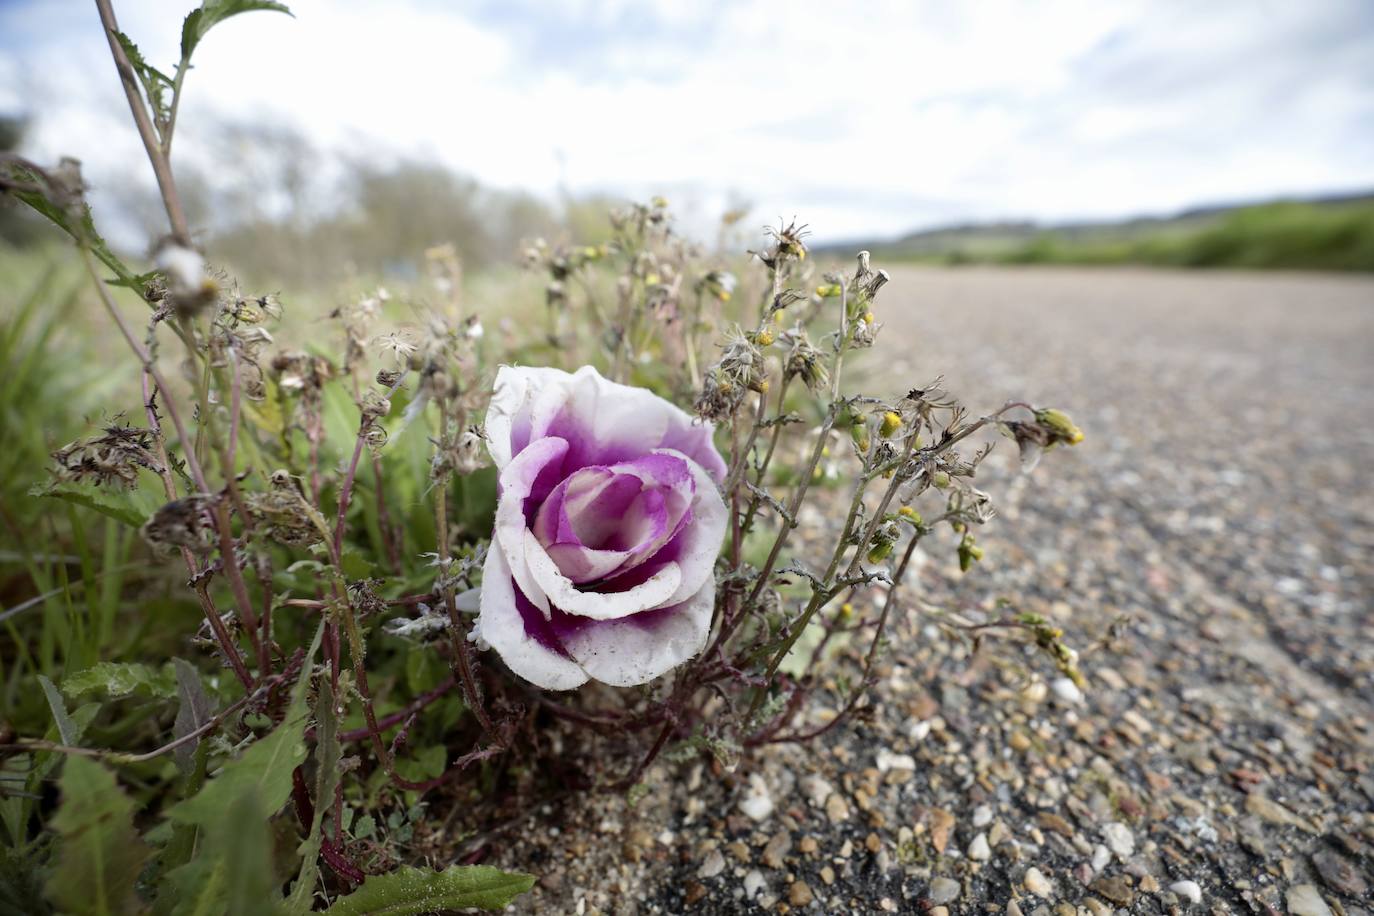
(861, 118)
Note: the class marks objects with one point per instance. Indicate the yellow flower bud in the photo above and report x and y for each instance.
(910, 515)
(868, 318)
(764, 337)
(892, 422)
(828, 290)
(1059, 421)
(846, 611)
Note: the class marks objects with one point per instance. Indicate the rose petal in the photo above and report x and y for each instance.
(603, 421)
(699, 543)
(506, 630)
(655, 592)
(525, 474)
(507, 421)
(635, 650)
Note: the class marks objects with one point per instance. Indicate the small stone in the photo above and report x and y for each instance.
(943, 890)
(1051, 821)
(1339, 873)
(1066, 690)
(808, 845)
(777, 848)
(941, 823)
(827, 875)
(1187, 890)
(1037, 884)
(873, 842)
(800, 894)
(836, 808)
(753, 883)
(978, 850)
(1019, 741)
(1114, 889)
(817, 790)
(887, 760)
(1013, 908)
(1119, 839)
(739, 851)
(982, 816)
(1306, 900)
(695, 891)
(714, 865)
(757, 804)
(1273, 812)
(1102, 856)
(1097, 907)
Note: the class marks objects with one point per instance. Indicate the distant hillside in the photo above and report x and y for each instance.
(1327, 233)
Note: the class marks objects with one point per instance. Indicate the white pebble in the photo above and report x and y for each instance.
(753, 883)
(1188, 890)
(1038, 884)
(890, 761)
(817, 790)
(982, 816)
(714, 865)
(1119, 839)
(1067, 690)
(978, 850)
(757, 804)
(1101, 856)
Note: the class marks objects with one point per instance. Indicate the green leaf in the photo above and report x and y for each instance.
(119, 679)
(327, 755)
(66, 728)
(194, 710)
(155, 82)
(232, 811)
(211, 13)
(265, 769)
(132, 507)
(101, 853)
(408, 891)
(76, 221)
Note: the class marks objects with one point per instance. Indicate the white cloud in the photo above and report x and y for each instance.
(863, 118)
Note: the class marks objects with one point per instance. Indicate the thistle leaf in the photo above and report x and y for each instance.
(212, 12)
(101, 853)
(413, 891)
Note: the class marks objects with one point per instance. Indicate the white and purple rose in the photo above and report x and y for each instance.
(608, 524)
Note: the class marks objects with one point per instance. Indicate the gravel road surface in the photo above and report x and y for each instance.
(1210, 551)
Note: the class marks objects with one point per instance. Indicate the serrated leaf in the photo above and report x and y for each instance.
(77, 223)
(101, 853)
(413, 891)
(119, 679)
(132, 507)
(212, 12)
(155, 82)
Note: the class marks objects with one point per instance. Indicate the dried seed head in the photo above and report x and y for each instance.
(110, 459)
(181, 523)
(189, 287)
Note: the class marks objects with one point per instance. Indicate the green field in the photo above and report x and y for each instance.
(1287, 235)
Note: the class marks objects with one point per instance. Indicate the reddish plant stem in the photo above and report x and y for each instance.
(162, 168)
(222, 637)
(419, 703)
